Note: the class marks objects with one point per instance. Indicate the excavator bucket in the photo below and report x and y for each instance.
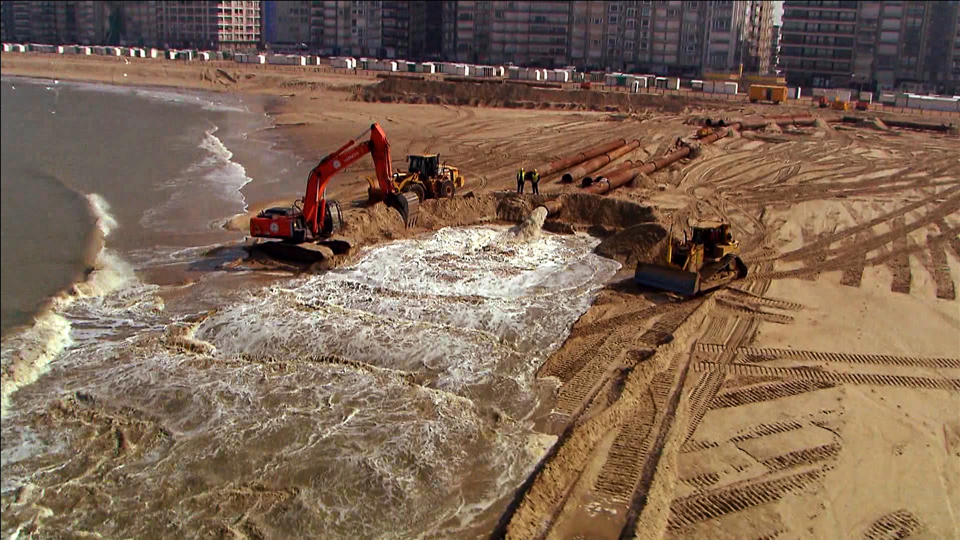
(408, 204)
(668, 278)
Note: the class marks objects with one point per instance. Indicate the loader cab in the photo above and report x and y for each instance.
(428, 165)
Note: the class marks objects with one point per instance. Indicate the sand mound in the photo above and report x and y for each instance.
(511, 95)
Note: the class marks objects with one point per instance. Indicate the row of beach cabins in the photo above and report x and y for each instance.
(623, 81)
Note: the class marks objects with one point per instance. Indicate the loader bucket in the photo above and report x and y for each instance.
(667, 278)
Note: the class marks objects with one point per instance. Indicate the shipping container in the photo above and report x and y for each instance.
(775, 94)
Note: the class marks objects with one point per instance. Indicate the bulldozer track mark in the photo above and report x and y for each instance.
(628, 453)
(702, 481)
(807, 456)
(717, 503)
(763, 301)
(634, 317)
(716, 329)
(945, 230)
(740, 310)
(893, 526)
(661, 384)
(759, 394)
(703, 394)
(744, 381)
(832, 378)
(756, 354)
(900, 264)
(826, 241)
(764, 430)
(697, 446)
(567, 366)
(573, 393)
(943, 281)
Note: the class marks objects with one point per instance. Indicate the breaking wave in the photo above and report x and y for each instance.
(27, 355)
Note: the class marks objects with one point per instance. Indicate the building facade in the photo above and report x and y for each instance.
(340, 27)
(759, 33)
(286, 24)
(426, 29)
(870, 44)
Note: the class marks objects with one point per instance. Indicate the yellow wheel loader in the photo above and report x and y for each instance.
(708, 259)
(426, 177)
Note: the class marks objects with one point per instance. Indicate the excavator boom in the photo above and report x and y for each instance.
(292, 223)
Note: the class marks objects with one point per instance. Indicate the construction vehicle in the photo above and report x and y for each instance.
(840, 105)
(314, 218)
(773, 94)
(425, 177)
(708, 259)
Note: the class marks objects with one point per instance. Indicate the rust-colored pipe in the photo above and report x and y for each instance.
(570, 161)
(603, 185)
(553, 206)
(628, 164)
(596, 163)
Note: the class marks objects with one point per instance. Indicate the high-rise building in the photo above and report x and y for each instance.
(341, 27)
(588, 36)
(529, 33)
(774, 48)
(725, 34)
(82, 22)
(286, 24)
(874, 45)
(395, 21)
(817, 41)
(426, 23)
(139, 26)
(232, 25)
(759, 24)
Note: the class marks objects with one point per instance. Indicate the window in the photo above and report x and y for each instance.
(612, 19)
(611, 42)
(631, 23)
(645, 23)
(613, 8)
(598, 21)
(631, 12)
(629, 45)
(595, 42)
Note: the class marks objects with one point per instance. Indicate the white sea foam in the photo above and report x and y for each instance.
(27, 355)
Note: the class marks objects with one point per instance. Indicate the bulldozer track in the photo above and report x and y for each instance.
(896, 525)
(717, 503)
(573, 393)
(629, 451)
(716, 329)
(833, 378)
(826, 241)
(565, 367)
(764, 301)
(739, 310)
(807, 456)
(697, 446)
(757, 354)
(764, 430)
(633, 317)
(900, 264)
(759, 394)
(702, 481)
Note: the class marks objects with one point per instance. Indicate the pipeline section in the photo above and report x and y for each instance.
(598, 162)
(579, 157)
(623, 177)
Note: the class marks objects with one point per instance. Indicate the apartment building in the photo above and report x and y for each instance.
(725, 33)
(230, 25)
(759, 33)
(55, 22)
(286, 24)
(341, 27)
(426, 23)
(817, 42)
(534, 33)
(588, 34)
(774, 47)
(139, 22)
(884, 45)
(395, 21)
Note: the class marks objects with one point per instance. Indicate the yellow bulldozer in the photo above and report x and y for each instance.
(426, 177)
(708, 259)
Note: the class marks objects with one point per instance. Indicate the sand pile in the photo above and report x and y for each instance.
(401, 90)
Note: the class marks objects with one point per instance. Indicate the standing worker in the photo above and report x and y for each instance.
(520, 181)
(535, 180)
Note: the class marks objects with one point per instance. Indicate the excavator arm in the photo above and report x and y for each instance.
(314, 203)
(289, 224)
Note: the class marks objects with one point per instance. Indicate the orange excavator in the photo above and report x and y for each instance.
(314, 218)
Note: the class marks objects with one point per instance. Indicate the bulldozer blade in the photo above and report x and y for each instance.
(667, 278)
